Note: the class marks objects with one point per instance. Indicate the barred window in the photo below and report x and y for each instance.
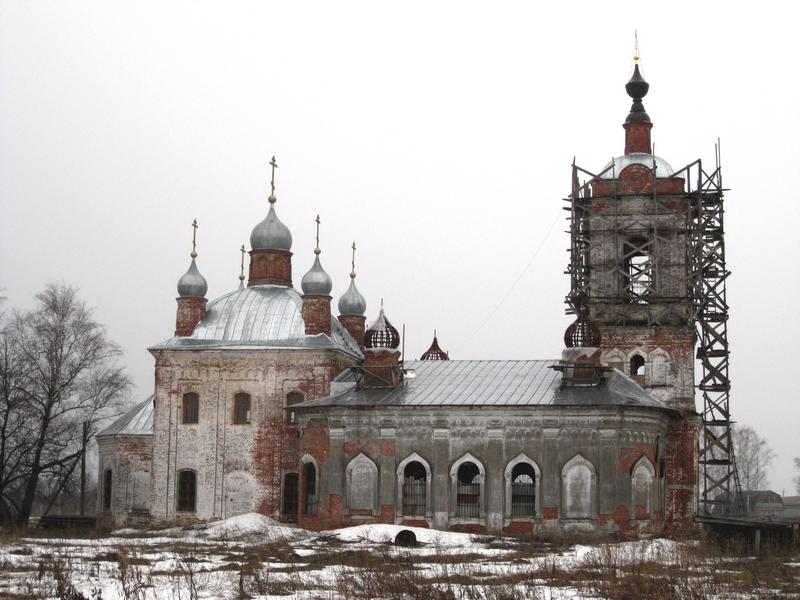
(292, 398)
(638, 266)
(187, 490)
(523, 490)
(310, 485)
(468, 491)
(241, 409)
(414, 489)
(191, 408)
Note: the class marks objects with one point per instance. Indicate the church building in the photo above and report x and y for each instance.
(265, 401)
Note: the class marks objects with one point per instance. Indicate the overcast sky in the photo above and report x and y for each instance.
(438, 136)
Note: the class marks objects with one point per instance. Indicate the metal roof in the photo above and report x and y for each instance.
(137, 421)
(263, 315)
(663, 168)
(488, 383)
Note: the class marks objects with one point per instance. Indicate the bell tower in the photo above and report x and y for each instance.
(629, 264)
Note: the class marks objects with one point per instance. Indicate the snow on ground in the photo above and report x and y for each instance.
(383, 533)
(250, 525)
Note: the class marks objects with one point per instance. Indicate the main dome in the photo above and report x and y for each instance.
(271, 233)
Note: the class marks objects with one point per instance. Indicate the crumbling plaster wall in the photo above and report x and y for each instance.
(238, 466)
(129, 457)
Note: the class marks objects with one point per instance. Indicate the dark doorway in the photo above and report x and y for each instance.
(290, 496)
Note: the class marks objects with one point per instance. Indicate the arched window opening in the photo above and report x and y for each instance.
(290, 496)
(637, 369)
(292, 398)
(187, 491)
(523, 490)
(107, 482)
(414, 489)
(642, 478)
(310, 485)
(468, 491)
(638, 266)
(191, 408)
(578, 489)
(659, 370)
(362, 485)
(241, 409)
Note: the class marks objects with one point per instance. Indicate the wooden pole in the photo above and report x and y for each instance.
(83, 467)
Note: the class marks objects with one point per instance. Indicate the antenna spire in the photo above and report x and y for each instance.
(353, 263)
(274, 165)
(317, 250)
(194, 239)
(636, 55)
(241, 271)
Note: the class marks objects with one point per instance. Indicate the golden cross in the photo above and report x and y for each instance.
(353, 263)
(241, 273)
(274, 166)
(635, 47)
(194, 238)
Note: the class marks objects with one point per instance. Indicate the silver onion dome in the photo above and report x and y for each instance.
(271, 233)
(317, 281)
(352, 302)
(192, 284)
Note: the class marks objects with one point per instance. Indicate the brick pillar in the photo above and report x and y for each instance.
(272, 267)
(682, 472)
(317, 314)
(637, 137)
(191, 311)
(355, 326)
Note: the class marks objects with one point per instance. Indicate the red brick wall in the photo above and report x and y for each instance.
(637, 137)
(317, 314)
(190, 312)
(355, 326)
(682, 473)
(270, 267)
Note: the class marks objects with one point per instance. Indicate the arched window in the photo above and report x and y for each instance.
(415, 484)
(191, 408)
(637, 368)
(638, 267)
(241, 409)
(362, 485)
(523, 491)
(107, 482)
(292, 398)
(290, 492)
(466, 476)
(310, 488)
(187, 490)
(642, 477)
(578, 489)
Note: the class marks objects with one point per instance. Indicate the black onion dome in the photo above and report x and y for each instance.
(637, 89)
(434, 352)
(582, 333)
(381, 334)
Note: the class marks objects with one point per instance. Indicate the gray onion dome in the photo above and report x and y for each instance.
(271, 233)
(192, 284)
(352, 302)
(317, 281)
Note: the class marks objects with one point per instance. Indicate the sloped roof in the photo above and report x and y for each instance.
(137, 421)
(488, 383)
(267, 316)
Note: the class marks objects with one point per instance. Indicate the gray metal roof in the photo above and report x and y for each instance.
(487, 383)
(263, 315)
(663, 168)
(137, 421)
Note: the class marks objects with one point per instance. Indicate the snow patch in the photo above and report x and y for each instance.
(248, 525)
(383, 533)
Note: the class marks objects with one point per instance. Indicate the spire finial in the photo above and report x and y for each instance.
(194, 239)
(274, 164)
(353, 263)
(241, 271)
(317, 250)
(636, 56)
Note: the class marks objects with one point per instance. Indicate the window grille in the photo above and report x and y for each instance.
(241, 409)
(187, 490)
(523, 491)
(191, 408)
(414, 489)
(638, 270)
(468, 491)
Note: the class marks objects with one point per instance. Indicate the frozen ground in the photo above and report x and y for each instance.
(252, 556)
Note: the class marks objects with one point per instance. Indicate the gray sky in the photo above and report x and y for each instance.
(438, 136)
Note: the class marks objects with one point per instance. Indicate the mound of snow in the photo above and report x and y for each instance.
(248, 525)
(382, 533)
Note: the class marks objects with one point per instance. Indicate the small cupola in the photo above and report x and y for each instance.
(434, 352)
(317, 285)
(192, 288)
(580, 360)
(352, 306)
(271, 244)
(381, 334)
(637, 124)
(381, 366)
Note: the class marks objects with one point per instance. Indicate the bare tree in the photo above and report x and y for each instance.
(753, 457)
(57, 370)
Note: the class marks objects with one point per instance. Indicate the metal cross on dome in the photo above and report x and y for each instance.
(353, 263)
(194, 238)
(317, 248)
(241, 272)
(274, 165)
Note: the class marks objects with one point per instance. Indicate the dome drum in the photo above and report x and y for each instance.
(270, 267)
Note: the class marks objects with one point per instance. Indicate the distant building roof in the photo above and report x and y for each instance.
(487, 383)
(137, 421)
(260, 316)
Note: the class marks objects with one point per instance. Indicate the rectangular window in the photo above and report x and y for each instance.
(191, 408)
(187, 491)
(241, 409)
(291, 399)
(107, 479)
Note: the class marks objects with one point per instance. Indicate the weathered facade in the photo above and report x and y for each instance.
(263, 401)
